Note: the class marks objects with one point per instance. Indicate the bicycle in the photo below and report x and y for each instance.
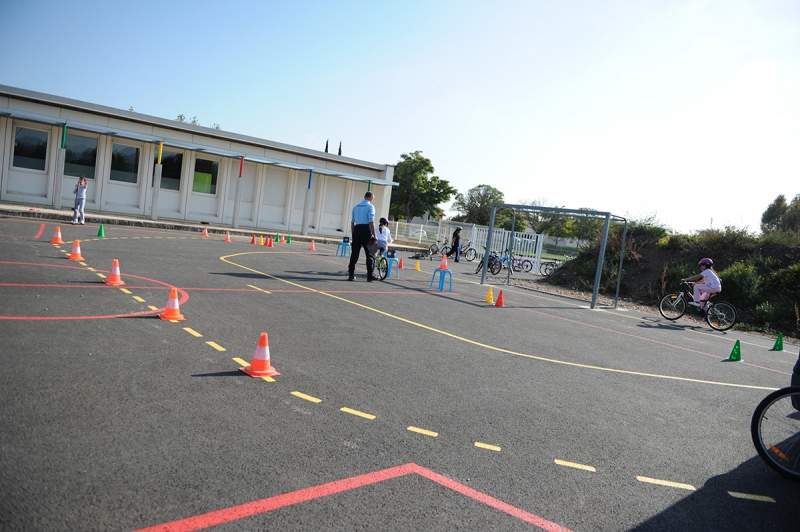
(775, 428)
(444, 249)
(381, 265)
(492, 258)
(470, 253)
(548, 267)
(720, 315)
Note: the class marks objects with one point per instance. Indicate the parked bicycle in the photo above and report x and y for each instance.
(381, 265)
(775, 428)
(492, 258)
(719, 315)
(435, 248)
(469, 252)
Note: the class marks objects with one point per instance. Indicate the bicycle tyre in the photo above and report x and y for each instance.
(433, 250)
(495, 267)
(527, 265)
(672, 306)
(382, 266)
(446, 250)
(470, 254)
(721, 316)
(775, 428)
(546, 268)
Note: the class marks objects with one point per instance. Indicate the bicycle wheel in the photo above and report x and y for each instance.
(433, 250)
(446, 250)
(470, 254)
(546, 268)
(672, 306)
(381, 266)
(527, 265)
(721, 316)
(495, 267)
(775, 429)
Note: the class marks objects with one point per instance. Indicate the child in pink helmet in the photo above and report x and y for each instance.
(707, 283)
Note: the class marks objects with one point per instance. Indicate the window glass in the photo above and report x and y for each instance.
(30, 148)
(171, 166)
(205, 176)
(81, 156)
(125, 164)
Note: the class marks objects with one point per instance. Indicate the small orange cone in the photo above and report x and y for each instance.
(114, 279)
(312, 248)
(269, 240)
(282, 240)
(205, 232)
(227, 236)
(266, 241)
(173, 310)
(57, 238)
(400, 264)
(76, 251)
(253, 240)
(260, 366)
(443, 265)
(500, 302)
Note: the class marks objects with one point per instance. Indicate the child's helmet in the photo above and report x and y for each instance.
(459, 228)
(705, 262)
(383, 221)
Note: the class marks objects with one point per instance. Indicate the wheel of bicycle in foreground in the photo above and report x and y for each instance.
(721, 316)
(381, 267)
(775, 428)
(495, 267)
(527, 265)
(672, 307)
(470, 254)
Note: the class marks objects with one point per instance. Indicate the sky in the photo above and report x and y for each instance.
(685, 111)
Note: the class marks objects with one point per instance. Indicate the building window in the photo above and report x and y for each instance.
(30, 149)
(171, 166)
(205, 176)
(81, 156)
(125, 164)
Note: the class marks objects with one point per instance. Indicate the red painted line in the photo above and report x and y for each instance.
(233, 513)
(41, 230)
(647, 339)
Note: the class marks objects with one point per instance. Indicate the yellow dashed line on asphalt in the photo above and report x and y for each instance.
(151, 307)
(83, 264)
(100, 275)
(259, 289)
(91, 269)
(216, 346)
(750, 497)
(192, 332)
(139, 299)
(487, 446)
(245, 364)
(306, 397)
(357, 413)
(575, 465)
(125, 291)
(423, 431)
(668, 483)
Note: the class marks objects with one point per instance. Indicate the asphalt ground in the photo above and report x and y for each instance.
(457, 414)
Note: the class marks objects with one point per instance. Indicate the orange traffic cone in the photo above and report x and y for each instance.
(269, 242)
(500, 302)
(282, 240)
(443, 265)
(57, 238)
(205, 232)
(266, 241)
(312, 248)
(400, 264)
(227, 236)
(76, 251)
(253, 240)
(260, 366)
(173, 310)
(114, 279)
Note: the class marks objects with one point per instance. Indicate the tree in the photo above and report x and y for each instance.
(771, 218)
(587, 228)
(181, 118)
(475, 206)
(420, 191)
(790, 221)
(543, 223)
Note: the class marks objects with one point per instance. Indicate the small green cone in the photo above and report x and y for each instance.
(288, 239)
(778, 343)
(277, 237)
(736, 354)
(101, 233)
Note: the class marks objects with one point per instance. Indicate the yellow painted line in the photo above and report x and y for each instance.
(100, 275)
(259, 289)
(82, 263)
(193, 332)
(423, 431)
(91, 269)
(125, 291)
(173, 321)
(668, 483)
(240, 361)
(306, 397)
(152, 307)
(487, 446)
(217, 346)
(136, 237)
(139, 299)
(357, 413)
(748, 496)
(487, 346)
(575, 465)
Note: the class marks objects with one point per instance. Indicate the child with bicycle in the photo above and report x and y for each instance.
(384, 235)
(705, 284)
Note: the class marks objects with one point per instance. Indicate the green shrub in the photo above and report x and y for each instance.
(766, 312)
(785, 283)
(742, 285)
(673, 242)
(786, 238)
(730, 237)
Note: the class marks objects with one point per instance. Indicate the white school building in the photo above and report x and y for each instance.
(47, 142)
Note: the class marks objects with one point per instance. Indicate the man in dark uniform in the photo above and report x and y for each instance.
(362, 227)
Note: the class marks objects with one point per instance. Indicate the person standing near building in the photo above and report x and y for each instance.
(362, 227)
(80, 199)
